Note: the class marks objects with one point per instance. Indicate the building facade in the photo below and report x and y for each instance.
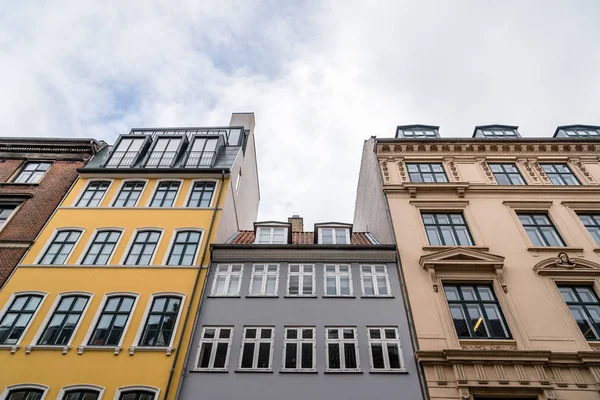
(102, 305)
(35, 174)
(499, 240)
(289, 314)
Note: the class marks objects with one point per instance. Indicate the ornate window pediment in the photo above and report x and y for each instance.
(563, 265)
(467, 261)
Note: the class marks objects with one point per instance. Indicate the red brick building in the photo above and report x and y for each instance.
(35, 174)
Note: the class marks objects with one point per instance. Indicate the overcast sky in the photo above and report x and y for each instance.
(321, 76)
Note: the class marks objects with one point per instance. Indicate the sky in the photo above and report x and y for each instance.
(320, 76)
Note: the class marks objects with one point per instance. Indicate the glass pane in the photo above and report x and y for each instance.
(307, 333)
(382, 286)
(497, 327)
(251, 333)
(292, 334)
(477, 321)
(294, 285)
(307, 355)
(333, 350)
(451, 292)
(221, 355)
(350, 356)
(375, 333)
(460, 322)
(368, 286)
(394, 356)
(377, 355)
(256, 284)
(220, 285)
(307, 287)
(247, 355)
(233, 285)
(265, 333)
(331, 287)
(390, 333)
(468, 292)
(205, 351)
(585, 294)
(290, 355)
(264, 355)
(225, 333)
(332, 334)
(485, 293)
(567, 294)
(344, 285)
(271, 285)
(582, 321)
(348, 333)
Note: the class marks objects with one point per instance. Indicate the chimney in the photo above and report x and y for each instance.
(297, 223)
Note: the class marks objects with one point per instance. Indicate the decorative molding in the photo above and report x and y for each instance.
(584, 171)
(521, 375)
(386, 173)
(579, 381)
(541, 372)
(559, 378)
(480, 372)
(563, 265)
(475, 347)
(453, 169)
(502, 379)
(403, 172)
(541, 172)
(459, 372)
(486, 170)
(464, 394)
(440, 375)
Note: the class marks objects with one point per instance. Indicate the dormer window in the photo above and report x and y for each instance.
(164, 152)
(126, 152)
(578, 131)
(202, 152)
(271, 235)
(417, 132)
(496, 132)
(334, 236)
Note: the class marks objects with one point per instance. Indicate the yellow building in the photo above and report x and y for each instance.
(103, 304)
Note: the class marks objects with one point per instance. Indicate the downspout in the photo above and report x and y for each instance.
(189, 309)
(407, 307)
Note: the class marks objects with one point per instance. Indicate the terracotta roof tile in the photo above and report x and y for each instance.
(247, 237)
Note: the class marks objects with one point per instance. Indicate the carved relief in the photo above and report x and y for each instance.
(521, 375)
(584, 171)
(481, 376)
(464, 394)
(440, 375)
(476, 347)
(564, 261)
(386, 173)
(529, 169)
(502, 379)
(402, 169)
(487, 171)
(540, 171)
(454, 170)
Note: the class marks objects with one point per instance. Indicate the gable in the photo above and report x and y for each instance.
(563, 265)
(461, 256)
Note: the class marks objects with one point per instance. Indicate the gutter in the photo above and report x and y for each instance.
(143, 170)
(189, 308)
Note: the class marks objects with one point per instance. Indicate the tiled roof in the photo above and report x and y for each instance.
(247, 237)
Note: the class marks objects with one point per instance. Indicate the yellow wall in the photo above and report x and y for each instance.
(103, 368)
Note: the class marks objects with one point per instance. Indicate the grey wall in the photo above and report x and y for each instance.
(370, 213)
(318, 312)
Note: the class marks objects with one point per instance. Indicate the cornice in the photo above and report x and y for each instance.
(243, 255)
(433, 188)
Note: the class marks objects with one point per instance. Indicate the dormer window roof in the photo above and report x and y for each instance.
(417, 132)
(272, 232)
(496, 132)
(333, 233)
(127, 151)
(578, 131)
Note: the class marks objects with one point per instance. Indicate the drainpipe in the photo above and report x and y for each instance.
(189, 309)
(407, 307)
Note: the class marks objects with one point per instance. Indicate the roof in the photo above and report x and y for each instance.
(248, 237)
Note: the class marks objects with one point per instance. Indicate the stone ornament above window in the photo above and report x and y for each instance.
(563, 265)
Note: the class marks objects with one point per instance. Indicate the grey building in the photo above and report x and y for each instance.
(289, 314)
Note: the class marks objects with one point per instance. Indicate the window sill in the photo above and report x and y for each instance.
(399, 372)
(225, 297)
(440, 248)
(64, 349)
(553, 249)
(254, 371)
(210, 371)
(343, 372)
(115, 349)
(303, 297)
(328, 296)
(258, 296)
(293, 371)
(19, 184)
(377, 297)
(167, 350)
(12, 347)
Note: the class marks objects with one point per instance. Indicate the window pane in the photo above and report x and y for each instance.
(393, 356)
(496, 325)
(377, 354)
(368, 286)
(344, 285)
(256, 285)
(294, 285)
(307, 355)
(290, 355)
(221, 355)
(477, 322)
(460, 322)
(205, 355)
(334, 356)
(264, 355)
(350, 355)
(331, 287)
(307, 288)
(271, 285)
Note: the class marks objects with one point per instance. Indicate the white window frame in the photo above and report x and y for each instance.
(271, 234)
(123, 389)
(300, 274)
(215, 341)
(333, 233)
(118, 191)
(91, 241)
(42, 252)
(20, 386)
(132, 239)
(191, 189)
(384, 342)
(341, 341)
(228, 275)
(172, 242)
(65, 389)
(9, 302)
(87, 184)
(337, 274)
(265, 274)
(138, 335)
(373, 276)
(49, 315)
(92, 326)
(257, 341)
(299, 341)
(155, 189)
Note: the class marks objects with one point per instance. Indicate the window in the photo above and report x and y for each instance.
(592, 223)
(161, 320)
(185, 247)
(137, 395)
(560, 174)
(16, 319)
(202, 153)
(384, 349)
(238, 181)
(338, 280)
(129, 194)
(299, 349)
(341, 349)
(64, 320)
(334, 236)
(267, 235)
(32, 172)
(581, 132)
(143, 247)
(374, 280)
(202, 194)
(257, 348)
(214, 348)
(426, 172)
(301, 280)
(25, 394)
(476, 312)
(111, 324)
(101, 248)
(60, 247)
(417, 133)
(585, 309)
(507, 174)
(126, 153)
(540, 230)
(499, 133)
(264, 280)
(5, 211)
(165, 194)
(164, 152)
(81, 394)
(227, 280)
(447, 229)
(93, 194)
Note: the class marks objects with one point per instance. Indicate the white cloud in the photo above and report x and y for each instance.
(320, 76)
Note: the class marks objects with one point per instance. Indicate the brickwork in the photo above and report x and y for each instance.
(9, 258)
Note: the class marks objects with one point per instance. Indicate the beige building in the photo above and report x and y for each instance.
(499, 240)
